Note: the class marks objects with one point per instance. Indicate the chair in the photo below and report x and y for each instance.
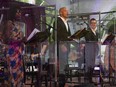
(74, 71)
(32, 70)
(29, 71)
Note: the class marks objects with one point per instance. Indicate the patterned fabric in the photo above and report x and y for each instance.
(15, 63)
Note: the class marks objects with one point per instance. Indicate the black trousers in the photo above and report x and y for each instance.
(62, 80)
(89, 74)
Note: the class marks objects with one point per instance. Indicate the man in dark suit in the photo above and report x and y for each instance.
(91, 48)
(91, 34)
(63, 30)
(62, 33)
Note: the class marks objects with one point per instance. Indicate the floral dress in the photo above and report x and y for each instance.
(15, 54)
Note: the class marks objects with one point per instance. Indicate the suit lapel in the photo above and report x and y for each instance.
(69, 32)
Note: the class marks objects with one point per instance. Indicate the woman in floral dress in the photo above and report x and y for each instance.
(15, 50)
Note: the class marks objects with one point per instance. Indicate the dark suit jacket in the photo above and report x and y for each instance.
(62, 33)
(90, 36)
(91, 49)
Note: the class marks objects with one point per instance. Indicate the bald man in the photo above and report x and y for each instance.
(63, 32)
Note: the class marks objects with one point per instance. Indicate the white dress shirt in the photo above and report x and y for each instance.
(94, 30)
(65, 22)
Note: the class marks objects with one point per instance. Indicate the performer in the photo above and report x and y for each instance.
(109, 56)
(15, 48)
(63, 29)
(92, 35)
(91, 47)
(63, 32)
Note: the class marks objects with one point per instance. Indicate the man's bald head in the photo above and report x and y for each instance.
(63, 12)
